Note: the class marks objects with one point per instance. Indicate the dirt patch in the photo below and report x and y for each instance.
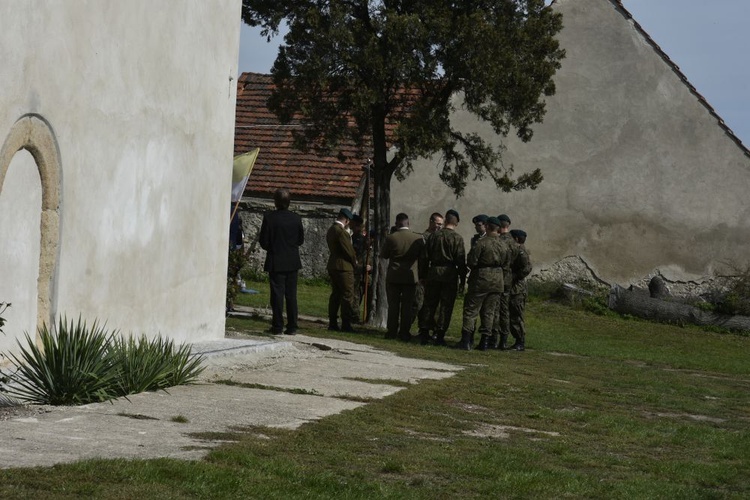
(12, 411)
(698, 418)
(503, 431)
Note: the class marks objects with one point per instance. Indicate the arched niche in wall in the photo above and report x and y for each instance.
(34, 134)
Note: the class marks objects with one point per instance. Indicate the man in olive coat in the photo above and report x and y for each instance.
(444, 266)
(403, 249)
(281, 235)
(520, 268)
(341, 263)
(487, 259)
(501, 328)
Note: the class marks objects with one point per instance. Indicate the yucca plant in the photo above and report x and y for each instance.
(72, 366)
(141, 365)
(185, 366)
(149, 365)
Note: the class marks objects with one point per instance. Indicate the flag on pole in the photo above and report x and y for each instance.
(243, 165)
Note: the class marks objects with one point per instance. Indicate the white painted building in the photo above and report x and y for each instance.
(116, 137)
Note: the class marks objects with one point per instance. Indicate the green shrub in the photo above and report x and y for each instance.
(735, 298)
(237, 261)
(73, 366)
(80, 364)
(149, 365)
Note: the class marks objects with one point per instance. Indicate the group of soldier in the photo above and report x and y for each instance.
(427, 270)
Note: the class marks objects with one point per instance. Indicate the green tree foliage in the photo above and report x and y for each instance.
(384, 73)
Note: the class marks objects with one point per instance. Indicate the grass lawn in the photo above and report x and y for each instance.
(597, 407)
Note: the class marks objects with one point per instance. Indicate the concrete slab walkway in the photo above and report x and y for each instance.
(331, 376)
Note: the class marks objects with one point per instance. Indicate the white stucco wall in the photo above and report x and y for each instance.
(140, 96)
(638, 174)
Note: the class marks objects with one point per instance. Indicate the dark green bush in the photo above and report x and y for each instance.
(237, 261)
(736, 296)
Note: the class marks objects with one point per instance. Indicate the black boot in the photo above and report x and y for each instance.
(333, 325)
(467, 341)
(484, 343)
(439, 338)
(424, 336)
(518, 345)
(504, 342)
(494, 341)
(346, 326)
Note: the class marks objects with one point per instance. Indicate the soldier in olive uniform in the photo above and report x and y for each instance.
(520, 267)
(480, 226)
(486, 260)
(444, 265)
(402, 249)
(501, 328)
(341, 264)
(436, 222)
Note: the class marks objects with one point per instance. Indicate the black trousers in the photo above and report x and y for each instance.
(283, 287)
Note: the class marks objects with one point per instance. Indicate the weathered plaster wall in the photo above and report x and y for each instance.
(139, 97)
(638, 174)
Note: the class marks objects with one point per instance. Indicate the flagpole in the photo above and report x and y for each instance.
(367, 239)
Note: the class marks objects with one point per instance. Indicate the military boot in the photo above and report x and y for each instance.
(494, 341)
(504, 342)
(424, 336)
(466, 342)
(439, 338)
(484, 343)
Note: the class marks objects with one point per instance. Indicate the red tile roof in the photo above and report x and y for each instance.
(279, 164)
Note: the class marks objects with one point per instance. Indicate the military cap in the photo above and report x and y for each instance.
(503, 217)
(480, 218)
(494, 221)
(453, 212)
(345, 212)
(518, 233)
(358, 219)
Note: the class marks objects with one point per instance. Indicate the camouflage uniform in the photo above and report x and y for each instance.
(501, 326)
(444, 266)
(487, 261)
(520, 267)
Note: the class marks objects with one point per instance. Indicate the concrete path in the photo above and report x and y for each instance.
(159, 424)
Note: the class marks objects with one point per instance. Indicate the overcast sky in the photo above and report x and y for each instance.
(708, 39)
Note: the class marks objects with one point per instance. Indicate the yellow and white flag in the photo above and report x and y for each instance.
(243, 165)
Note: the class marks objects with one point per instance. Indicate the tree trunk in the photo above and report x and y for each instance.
(378, 314)
(642, 305)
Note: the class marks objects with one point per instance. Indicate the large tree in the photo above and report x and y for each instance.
(388, 73)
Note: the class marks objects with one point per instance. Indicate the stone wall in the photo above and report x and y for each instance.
(316, 219)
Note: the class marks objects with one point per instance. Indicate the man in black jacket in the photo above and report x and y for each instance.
(281, 235)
